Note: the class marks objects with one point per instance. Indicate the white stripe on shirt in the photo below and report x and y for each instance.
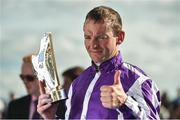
(68, 103)
(88, 95)
(136, 92)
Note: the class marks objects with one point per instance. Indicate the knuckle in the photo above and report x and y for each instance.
(114, 105)
(103, 104)
(39, 110)
(103, 87)
(113, 94)
(101, 99)
(41, 96)
(101, 94)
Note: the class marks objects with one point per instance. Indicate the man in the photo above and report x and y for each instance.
(109, 88)
(26, 107)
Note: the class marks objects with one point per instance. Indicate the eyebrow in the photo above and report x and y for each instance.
(88, 32)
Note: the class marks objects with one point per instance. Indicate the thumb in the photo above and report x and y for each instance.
(117, 77)
(42, 86)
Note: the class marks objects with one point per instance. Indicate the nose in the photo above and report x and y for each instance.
(94, 43)
(94, 46)
(25, 81)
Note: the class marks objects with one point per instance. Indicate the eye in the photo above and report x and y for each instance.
(103, 37)
(87, 37)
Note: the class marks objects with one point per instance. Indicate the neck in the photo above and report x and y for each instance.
(35, 96)
(97, 64)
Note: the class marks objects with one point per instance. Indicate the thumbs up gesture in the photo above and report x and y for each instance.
(113, 96)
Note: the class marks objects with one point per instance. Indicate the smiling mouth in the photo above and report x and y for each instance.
(95, 51)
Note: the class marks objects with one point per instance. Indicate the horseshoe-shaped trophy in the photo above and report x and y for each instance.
(45, 67)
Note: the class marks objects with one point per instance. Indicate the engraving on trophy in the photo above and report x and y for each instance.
(49, 63)
(45, 67)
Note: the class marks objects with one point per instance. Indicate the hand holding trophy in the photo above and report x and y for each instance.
(45, 66)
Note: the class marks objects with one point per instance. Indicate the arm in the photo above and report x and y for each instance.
(144, 101)
(140, 101)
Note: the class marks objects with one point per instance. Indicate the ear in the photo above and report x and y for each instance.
(120, 38)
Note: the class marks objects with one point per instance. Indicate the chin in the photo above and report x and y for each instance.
(97, 61)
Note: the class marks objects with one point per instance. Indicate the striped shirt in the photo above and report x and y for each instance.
(84, 102)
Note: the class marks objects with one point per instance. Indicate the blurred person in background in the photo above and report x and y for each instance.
(68, 76)
(110, 88)
(165, 106)
(175, 107)
(26, 106)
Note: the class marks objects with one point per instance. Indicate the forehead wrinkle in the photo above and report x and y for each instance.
(106, 25)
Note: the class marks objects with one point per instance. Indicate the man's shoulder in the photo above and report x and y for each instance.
(18, 106)
(25, 99)
(133, 68)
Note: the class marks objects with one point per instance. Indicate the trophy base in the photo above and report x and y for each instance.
(58, 95)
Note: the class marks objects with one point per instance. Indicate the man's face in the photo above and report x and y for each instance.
(30, 81)
(99, 41)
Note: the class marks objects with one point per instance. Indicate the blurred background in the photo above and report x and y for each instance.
(152, 39)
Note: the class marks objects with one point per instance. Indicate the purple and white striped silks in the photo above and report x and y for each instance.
(84, 95)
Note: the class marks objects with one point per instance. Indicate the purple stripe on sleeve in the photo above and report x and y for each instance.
(127, 112)
(158, 95)
(128, 77)
(148, 96)
(159, 100)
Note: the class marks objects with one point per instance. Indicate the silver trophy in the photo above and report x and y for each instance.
(45, 67)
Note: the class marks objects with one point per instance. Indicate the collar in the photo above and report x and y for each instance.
(108, 65)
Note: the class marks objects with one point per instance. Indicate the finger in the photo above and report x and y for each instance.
(105, 88)
(115, 104)
(44, 99)
(106, 105)
(115, 100)
(105, 94)
(106, 99)
(44, 96)
(114, 96)
(117, 79)
(43, 102)
(41, 109)
(42, 87)
(111, 104)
